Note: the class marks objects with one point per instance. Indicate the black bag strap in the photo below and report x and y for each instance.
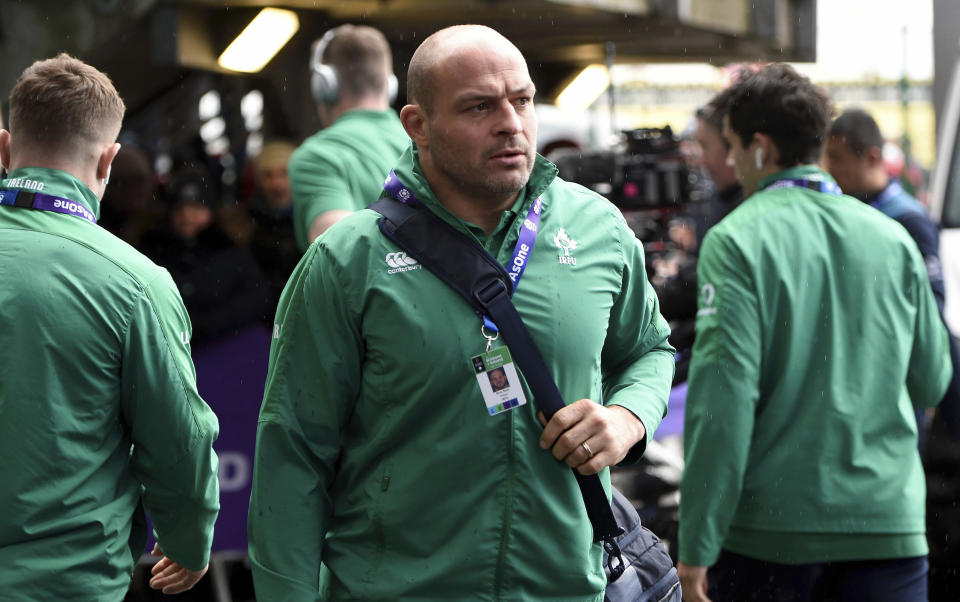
(482, 281)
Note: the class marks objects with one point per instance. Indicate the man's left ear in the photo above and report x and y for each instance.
(107, 155)
(769, 149)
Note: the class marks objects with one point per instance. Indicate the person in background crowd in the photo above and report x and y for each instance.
(714, 152)
(342, 167)
(380, 473)
(817, 335)
(129, 207)
(273, 243)
(854, 157)
(222, 286)
(99, 411)
(677, 289)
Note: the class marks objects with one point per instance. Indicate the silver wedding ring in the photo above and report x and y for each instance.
(587, 448)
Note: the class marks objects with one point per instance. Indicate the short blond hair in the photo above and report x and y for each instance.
(275, 153)
(63, 104)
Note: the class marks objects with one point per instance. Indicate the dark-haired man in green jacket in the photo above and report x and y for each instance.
(817, 334)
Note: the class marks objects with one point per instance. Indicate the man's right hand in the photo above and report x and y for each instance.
(170, 577)
(693, 582)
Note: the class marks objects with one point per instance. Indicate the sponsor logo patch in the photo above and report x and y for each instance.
(708, 293)
(401, 262)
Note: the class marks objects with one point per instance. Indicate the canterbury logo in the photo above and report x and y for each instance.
(401, 262)
(400, 259)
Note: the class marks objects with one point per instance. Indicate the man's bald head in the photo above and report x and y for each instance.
(441, 45)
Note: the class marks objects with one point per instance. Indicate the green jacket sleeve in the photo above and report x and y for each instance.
(318, 185)
(171, 427)
(312, 384)
(722, 395)
(930, 368)
(637, 360)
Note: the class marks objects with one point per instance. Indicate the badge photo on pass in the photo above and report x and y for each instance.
(498, 380)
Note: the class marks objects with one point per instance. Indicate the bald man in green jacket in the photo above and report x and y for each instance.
(387, 467)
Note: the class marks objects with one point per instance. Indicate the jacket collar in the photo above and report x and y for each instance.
(408, 170)
(55, 183)
(801, 172)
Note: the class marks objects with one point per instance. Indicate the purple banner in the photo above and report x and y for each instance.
(231, 373)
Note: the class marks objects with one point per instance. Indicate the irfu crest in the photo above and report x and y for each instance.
(563, 240)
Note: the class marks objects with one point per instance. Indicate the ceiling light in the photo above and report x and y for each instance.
(585, 88)
(260, 40)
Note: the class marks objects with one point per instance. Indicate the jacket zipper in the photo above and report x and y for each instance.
(507, 511)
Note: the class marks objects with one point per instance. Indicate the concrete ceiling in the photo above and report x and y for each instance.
(154, 49)
(146, 42)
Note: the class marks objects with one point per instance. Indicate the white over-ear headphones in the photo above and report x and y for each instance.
(759, 157)
(324, 82)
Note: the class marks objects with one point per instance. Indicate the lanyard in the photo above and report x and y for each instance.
(892, 190)
(818, 185)
(28, 199)
(521, 252)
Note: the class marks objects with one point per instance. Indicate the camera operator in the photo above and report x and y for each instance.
(678, 289)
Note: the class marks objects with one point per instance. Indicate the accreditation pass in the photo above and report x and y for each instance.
(498, 380)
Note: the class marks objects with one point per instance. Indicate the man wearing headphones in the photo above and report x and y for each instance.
(341, 168)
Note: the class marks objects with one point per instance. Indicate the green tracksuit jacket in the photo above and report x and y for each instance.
(99, 411)
(343, 166)
(817, 333)
(375, 453)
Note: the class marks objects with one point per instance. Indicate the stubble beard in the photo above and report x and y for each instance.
(479, 180)
(509, 183)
